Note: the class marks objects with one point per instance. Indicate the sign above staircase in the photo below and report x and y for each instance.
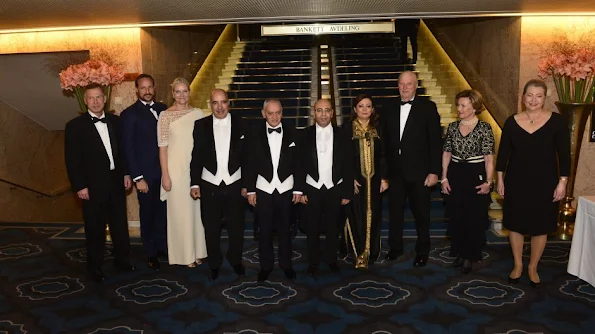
(327, 28)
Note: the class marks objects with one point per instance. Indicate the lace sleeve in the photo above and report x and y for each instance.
(163, 128)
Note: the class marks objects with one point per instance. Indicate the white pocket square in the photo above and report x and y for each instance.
(292, 144)
(242, 137)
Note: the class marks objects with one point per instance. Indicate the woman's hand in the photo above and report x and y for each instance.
(560, 191)
(383, 186)
(445, 187)
(501, 188)
(356, 186)
(484, 188)
(166, 182)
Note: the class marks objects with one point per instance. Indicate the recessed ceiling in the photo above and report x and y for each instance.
(44, 14)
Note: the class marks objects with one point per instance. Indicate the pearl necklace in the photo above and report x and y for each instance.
(470, 122)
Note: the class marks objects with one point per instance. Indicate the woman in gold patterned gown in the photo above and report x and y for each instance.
(363, 224)
(185, 232)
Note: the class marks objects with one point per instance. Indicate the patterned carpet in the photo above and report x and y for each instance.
(44, 290)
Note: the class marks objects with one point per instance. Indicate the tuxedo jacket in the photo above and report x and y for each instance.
(203, 153)
(259, 160)
(87, 162)
(342, 160)
(139, 140)
(420, 145)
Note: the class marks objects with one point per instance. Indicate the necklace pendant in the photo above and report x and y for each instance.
(531, 122)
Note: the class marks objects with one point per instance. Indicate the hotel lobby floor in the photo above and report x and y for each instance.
(44, 290)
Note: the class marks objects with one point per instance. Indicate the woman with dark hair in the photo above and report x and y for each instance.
(535, 155)
(363, 213)
(467, 173)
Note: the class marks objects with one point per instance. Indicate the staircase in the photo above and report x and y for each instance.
(271, 69)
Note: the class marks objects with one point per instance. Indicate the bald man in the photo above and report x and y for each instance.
(328, 169)
(413, 153)
(216, 173)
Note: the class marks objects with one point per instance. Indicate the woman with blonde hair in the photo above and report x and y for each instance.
(185, 232)
(533, 167)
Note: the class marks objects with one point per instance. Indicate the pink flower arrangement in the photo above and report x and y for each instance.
(571, 63)
(76, 77)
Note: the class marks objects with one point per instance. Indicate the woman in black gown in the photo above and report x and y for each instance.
(467, 174)
(535, 155)
(363, 213)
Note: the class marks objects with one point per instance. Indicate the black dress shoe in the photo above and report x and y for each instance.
(239, 270)
(96, 274)
(457, 262)
(153, 263)
(466, 267)
(334, 268)
(213, 274)
(263, 275)
(393, 255)
(124, 266)
(290, 274)
(312, 270)
(420, 261)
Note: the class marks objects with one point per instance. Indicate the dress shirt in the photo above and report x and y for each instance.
(275, 140)
(104, 134)
(222, 137)
(324, 150)
(404, 114)
(150, 105)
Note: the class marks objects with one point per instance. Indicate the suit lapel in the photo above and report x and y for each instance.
(96, 138)
(210, 140)
(113, 140)
(410, 120)
(312, 144)
(264, 141)
(285, 142)
(335, 147)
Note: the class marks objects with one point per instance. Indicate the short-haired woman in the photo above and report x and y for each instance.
(467, 173)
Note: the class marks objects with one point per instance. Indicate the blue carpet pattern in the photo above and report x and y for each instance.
(44, 290)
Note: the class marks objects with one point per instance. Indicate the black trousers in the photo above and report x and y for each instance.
(322, 212)
(274, 212)
(410, 32)
(153, 219)
(110, 209)
(223, 204)
(467, 210)
(419, 201)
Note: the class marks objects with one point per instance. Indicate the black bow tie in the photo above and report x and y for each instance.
(278, 130)
(406, 102)
(95, 120)
(148, 106)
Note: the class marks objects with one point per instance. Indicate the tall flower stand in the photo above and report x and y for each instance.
(576, 115)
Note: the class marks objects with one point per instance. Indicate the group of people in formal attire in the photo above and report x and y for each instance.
(195, 173)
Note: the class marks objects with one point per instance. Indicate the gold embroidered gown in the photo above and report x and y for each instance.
(364, 211)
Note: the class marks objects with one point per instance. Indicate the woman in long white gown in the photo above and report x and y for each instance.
(185, 232)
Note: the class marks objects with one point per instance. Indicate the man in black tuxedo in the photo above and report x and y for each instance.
(273, 183)
(414, 152)
(216, 173)
(139, 143)
(97, 171)
(328, 170)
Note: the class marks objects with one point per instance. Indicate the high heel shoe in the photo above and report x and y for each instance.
(514, 280)
(534, 285)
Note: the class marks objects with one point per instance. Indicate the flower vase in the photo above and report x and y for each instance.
(576, 115)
